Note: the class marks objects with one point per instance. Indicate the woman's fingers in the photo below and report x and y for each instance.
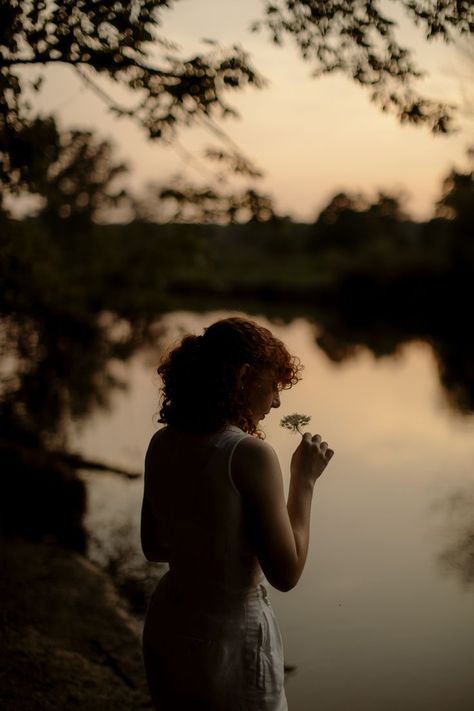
(316, 439)
(321, 445)
(311, 456)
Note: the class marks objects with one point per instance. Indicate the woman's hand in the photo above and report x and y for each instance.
(310, 458)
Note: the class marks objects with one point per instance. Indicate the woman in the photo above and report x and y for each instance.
(214, 508)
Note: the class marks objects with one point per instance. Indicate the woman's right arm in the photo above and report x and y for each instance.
(280, 529)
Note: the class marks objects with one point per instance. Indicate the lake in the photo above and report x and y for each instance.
(383, 616)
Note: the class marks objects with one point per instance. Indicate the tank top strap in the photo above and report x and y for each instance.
(226, 443)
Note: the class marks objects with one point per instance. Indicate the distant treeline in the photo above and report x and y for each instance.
(135, 269)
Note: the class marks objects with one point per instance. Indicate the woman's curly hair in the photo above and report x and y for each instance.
(200, 390)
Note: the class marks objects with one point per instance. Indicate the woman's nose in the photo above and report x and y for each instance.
(276, 400)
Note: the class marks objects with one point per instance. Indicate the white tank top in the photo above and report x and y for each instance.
(199, 511)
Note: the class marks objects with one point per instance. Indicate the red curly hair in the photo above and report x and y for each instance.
(200, 391)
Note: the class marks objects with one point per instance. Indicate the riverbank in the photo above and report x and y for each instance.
(67, 640)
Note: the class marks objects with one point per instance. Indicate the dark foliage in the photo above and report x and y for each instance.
(41, 498)
(122, 42)
(359, 40)
(116, 40)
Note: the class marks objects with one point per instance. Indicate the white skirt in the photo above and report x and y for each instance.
(219, 654)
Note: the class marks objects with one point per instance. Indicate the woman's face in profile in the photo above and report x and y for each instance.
(263, 394)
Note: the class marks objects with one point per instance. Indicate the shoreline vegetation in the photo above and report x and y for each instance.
(67, 639)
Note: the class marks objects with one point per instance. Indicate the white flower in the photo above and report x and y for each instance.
(295, 422)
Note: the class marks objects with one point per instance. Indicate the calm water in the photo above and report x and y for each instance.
(383, 617)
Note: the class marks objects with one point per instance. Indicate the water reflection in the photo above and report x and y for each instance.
(383, 316)
(60, 364)
(56, 366)
(457, 556)
(61, 367)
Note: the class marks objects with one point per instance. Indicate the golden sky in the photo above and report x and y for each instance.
(311, 137)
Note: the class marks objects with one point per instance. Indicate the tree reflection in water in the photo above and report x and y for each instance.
(61, 361)
(457, 557)
(58, 367)
(383, 315)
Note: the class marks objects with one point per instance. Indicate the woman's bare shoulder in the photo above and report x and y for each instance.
(158, 435)
(255, 463)
(253, 448)
(156, 443)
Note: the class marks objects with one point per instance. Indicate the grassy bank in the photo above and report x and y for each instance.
(67, 641)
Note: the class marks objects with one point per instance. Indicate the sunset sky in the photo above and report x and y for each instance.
(311, 137)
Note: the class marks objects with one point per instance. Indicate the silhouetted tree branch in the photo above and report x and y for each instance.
(184, 202)
(121, 41)
(115, 40)
(357, 39)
